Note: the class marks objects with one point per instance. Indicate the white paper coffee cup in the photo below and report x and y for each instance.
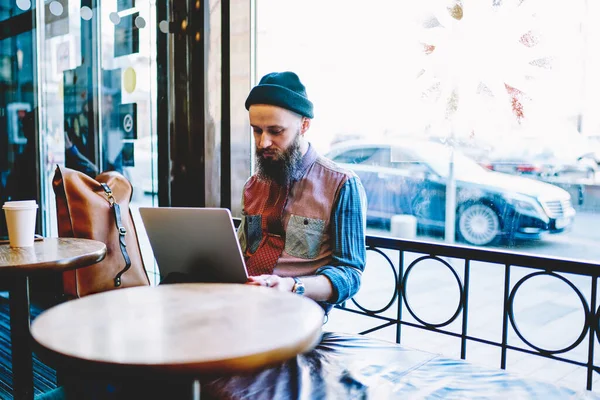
(20, 221)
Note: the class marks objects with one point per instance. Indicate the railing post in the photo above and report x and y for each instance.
(399, 288)
(465, 310)
(505, 315)
(593, 324)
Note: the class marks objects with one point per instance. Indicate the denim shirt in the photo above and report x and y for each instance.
(342, 259)
(348, 234)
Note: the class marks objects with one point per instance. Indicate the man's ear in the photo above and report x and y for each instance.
(305, 125)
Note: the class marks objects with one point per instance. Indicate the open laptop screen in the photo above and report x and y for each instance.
(198, 243)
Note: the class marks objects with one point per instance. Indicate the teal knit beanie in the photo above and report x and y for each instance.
(282, 89)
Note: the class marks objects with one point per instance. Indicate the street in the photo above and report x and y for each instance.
(581, 242)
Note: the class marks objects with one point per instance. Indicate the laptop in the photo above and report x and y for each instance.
(194, 244)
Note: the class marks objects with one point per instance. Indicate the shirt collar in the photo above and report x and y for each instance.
(307, 160)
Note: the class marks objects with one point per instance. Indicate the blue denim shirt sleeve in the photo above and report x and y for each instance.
(348, 223)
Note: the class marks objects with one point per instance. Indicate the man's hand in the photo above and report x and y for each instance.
(273, 281)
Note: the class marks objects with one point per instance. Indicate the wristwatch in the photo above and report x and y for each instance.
(298, 286)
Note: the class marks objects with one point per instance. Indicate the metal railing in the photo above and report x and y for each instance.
(534, 266)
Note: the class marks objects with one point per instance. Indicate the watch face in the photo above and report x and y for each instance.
(298, 287)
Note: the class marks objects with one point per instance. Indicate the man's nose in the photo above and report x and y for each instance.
(265, 141)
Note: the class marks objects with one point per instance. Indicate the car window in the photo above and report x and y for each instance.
(379, 157)
(358, 156)
(384, 157)
(405, 161)
(438, 159)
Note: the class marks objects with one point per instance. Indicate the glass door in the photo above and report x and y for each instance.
(96, 66)
(18, 141)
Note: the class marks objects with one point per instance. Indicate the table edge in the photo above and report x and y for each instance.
(64, 264)
(230, 366)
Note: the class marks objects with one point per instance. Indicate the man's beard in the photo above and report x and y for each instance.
(284, 168)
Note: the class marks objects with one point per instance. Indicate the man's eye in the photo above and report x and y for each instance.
(276, 132)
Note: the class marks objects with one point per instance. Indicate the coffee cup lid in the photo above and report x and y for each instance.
(20, 204)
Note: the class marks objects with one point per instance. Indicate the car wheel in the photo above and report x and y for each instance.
(478, 224)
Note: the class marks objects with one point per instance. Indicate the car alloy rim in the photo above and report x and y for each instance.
(479, 224)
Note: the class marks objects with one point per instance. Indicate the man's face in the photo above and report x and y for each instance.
(277, 136)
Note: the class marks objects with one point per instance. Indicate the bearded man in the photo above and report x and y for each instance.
(303, 222)
(303, 216)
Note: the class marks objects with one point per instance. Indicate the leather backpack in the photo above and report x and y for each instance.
(99, 209)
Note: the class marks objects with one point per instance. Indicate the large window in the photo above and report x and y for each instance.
(494, 95)
(486, 115)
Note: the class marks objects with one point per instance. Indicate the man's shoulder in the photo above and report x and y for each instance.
(334, 168)
(253, 182)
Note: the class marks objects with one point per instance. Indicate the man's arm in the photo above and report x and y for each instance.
(317, 287)
(348, 224)
(340, 280)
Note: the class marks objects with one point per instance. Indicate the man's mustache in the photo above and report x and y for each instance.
(260, 152)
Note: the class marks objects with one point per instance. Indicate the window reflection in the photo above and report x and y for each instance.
(97, 91)
(18, 130)
(503, 114)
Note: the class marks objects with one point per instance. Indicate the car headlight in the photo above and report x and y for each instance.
(529, 207)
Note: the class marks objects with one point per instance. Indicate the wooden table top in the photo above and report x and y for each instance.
(187, 329)
(51, 254)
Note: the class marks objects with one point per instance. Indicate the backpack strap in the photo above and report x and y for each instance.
(122, 232)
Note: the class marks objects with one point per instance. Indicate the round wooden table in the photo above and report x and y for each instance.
(186, 330)
(17, 264)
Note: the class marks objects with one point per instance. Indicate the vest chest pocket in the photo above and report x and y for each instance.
(303, 236)
(253, 231)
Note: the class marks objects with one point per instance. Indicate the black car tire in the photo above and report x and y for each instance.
(478, 224)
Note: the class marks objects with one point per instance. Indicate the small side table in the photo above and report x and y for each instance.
(17, 265)
(180, 331)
